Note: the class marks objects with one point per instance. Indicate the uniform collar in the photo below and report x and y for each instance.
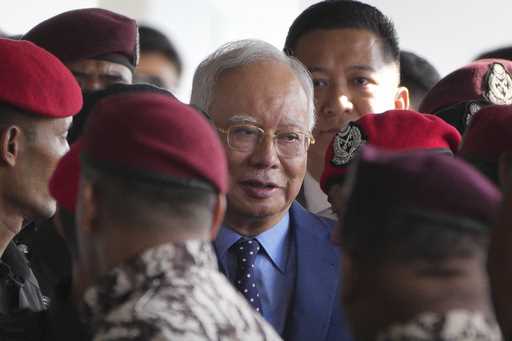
(176, 260)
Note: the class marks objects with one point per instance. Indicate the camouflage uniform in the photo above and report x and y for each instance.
(172, 292)
(455, 325)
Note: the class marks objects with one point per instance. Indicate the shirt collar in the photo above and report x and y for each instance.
(274, 241)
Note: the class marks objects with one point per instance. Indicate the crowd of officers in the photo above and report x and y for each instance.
(296, 197)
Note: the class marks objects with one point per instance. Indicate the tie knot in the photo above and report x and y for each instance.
(247, 247)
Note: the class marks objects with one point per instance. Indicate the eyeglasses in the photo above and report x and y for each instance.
(245, 138)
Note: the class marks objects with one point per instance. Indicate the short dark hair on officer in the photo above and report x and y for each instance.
(433, 219)
(427, 238)
(152, 40)
(144, 200)
(341, 14)
(417, 75)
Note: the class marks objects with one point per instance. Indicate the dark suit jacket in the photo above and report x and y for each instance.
(315, 310)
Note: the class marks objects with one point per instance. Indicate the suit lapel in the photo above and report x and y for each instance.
(317, 277)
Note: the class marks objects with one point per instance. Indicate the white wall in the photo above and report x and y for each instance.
(19, 16)
(198, 27)
(450, 33)
(447, 32)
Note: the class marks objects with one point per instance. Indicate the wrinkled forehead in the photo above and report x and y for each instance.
(265, 93)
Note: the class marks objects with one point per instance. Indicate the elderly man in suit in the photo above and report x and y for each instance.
(275, 252)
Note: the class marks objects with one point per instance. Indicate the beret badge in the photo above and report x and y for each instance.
(498, 85)
(346, 144)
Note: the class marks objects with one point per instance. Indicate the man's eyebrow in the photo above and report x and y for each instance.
(242, 119)
(362, 67)
(316, 68)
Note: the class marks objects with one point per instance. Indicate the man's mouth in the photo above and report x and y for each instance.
(259, 189)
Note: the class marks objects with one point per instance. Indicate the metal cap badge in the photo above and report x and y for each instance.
(498, 85)
(346, 144)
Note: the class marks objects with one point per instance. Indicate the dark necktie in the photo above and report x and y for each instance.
(246, 251)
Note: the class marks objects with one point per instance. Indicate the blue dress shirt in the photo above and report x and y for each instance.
(275, 268)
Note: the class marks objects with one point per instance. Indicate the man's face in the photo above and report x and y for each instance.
(352, 77)
(93, 74)
(35, 164)
(269, 96)
(156, 69)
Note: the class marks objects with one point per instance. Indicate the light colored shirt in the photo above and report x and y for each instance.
(172, 292)
(316, 199)
(275, 268)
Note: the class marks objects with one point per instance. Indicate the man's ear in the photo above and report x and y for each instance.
(218, 215)
(10, 143)
(402, 100)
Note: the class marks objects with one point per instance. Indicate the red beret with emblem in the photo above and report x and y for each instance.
(65, 179)
(88, 33)
(427, 186)
(461, 94)
(488, 136)
(152, 136)
(399, 130)
(35, 81)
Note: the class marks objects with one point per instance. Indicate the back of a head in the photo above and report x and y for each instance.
(415, 230)
(422, 189)
(162, 160)
(345, 14)
(417, 75)
(153, 40)
(487, 139)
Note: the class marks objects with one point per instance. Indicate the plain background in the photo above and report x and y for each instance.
(449, 33)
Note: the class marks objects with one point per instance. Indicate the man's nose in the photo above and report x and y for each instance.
(264, 154)
(338, 103)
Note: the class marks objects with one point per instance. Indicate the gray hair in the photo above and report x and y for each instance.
(239, 53)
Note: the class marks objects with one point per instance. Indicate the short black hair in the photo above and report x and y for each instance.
(136, 201)
(499, 53)
(412, 234)
(153, 40)
(26, 120)
(417, 75)
(341, 14)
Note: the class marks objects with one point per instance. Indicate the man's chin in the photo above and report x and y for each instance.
(259, 209)
(43, 212)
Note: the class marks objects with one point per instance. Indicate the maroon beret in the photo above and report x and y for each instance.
(87, 33)
(399, 130)
(35, 81)
(385, 183)
(488, 136)
(458, 96)
(153, 136)
(65, 179)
